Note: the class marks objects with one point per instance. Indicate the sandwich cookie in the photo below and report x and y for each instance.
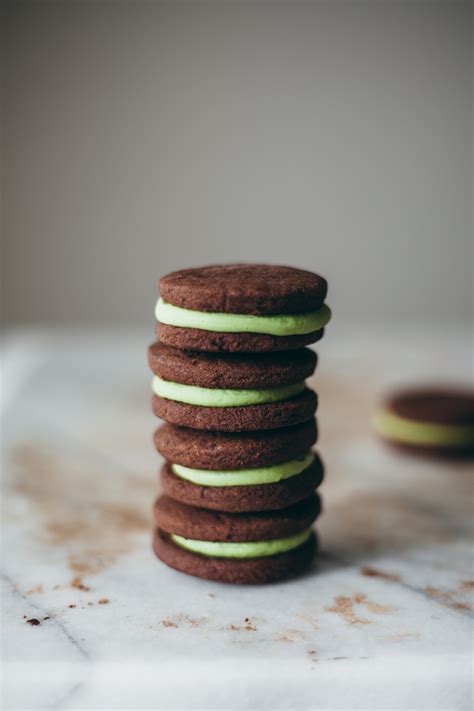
(236, 548)
(436, 421)
(239, 490)
(216, 451)
(241, 308)
(231, 392)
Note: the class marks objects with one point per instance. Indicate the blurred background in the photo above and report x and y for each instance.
(141, 137)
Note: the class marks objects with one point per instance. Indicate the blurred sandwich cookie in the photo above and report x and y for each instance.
(436, 421)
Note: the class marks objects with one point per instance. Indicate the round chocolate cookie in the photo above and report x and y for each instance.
(255, 289)
(243, 571)
(429, 420)
(217, 450)
(212, 342)
(205, 525)
(231, 370)
(269, 416)
(255, 497)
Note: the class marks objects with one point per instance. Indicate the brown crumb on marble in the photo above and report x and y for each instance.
(103, 601)
(371, 572)
(344, 607)
(184, 618)
(291, 635)
(467, 585)
(309, 620)
(402, 636)
(247, 627)
(76, 582)
(459, 606)
(169, 623)
(37, 589)
(45, 618)
(375, 607)
(191, 621)
(446, 598)
(71, 605)
(34, 622)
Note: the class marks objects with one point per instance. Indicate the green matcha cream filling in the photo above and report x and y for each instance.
(257, 549)
(245, 477)
(401, 429)
(283, 325)
(217, 397)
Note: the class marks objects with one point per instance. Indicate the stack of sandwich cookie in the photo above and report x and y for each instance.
(229, 379)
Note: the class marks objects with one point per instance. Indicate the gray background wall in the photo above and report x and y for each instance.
(142, 137)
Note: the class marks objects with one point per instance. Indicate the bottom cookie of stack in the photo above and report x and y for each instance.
(236, 548)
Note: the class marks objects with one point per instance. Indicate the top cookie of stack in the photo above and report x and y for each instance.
(247, 308)
(237, 308)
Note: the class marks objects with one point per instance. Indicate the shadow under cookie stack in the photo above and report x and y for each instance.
(229, 367)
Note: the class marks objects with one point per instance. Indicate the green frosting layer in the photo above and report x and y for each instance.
(401, 429)
(215, 397)
(257, 549)
(284, 325)
(245, 477)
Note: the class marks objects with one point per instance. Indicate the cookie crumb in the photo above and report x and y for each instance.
(77, 583)
(71, 605)
(103, 601)
(168, 623)
(371, 572)
(344, 607)
(33, 621)
(445, 597)
(37, 589)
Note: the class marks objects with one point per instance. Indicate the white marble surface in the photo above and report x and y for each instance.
(383, 621)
